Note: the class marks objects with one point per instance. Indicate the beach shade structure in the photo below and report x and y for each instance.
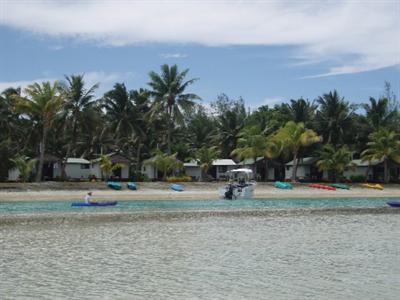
(114, 185)
(131, 186)
(177, 187)
(341, 186)
(283, 185)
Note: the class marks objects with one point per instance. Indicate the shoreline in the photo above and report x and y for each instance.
(161, 191)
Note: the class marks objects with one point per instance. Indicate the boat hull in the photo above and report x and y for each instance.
(104, 203)
(394, 203)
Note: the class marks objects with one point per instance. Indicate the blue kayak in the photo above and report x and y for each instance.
(103, 203)
(394, 203)
(114, 185)
(177, 187)
(131, 186)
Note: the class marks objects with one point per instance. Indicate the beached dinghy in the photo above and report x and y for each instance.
(373, 186)
(241, 185)
(283, 185)
(341, 186)
(322, 186)
(394, 203)
(103, 203)
(114, 185)
(177, 187)
(131, 186)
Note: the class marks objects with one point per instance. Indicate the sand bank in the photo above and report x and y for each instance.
(160, 191)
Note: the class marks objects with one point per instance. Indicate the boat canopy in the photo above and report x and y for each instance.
(248, 171)
(246, 174)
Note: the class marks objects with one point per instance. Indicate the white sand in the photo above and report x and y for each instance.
(159, 191)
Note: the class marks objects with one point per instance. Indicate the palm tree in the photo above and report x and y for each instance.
(383, 145)
(206, 156)
(251, 144)
(335, 160)
(300, 111)
(120, 109)
(293, 136)
(334, 117)
(107, 166)
(168, 91)
(164, 162)
(24, 166)
(378, 113)
(43, 102)
(78, 98)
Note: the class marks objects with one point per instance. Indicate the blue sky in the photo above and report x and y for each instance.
(265, 52)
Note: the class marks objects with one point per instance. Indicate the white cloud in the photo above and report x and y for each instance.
(366, 31)
(173, 55)
(105, 79)
(271, 101)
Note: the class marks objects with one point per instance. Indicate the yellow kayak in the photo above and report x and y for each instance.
(373, 186)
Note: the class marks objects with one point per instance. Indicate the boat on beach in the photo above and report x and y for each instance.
(114, 185)
(283, 185)
(241, 185)
(376, 186)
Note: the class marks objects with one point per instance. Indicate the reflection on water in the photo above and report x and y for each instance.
(296, 256)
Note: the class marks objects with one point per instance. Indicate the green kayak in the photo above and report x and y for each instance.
(341, 186)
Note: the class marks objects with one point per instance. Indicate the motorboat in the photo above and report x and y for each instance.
(241, 185)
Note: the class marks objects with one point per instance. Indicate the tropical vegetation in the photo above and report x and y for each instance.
(166, 123)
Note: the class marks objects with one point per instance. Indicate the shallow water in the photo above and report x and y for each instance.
(137, 205)
(282, 254)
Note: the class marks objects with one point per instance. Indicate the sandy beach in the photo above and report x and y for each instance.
(50, 191)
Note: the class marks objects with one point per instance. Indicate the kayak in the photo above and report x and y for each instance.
(103, 203)
(373, 186)
(341, 186)
(394, 203)
(131, 186)
(283, 185)
(177, 187)
(114, 185)
(322, 186)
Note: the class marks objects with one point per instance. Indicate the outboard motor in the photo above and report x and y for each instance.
(229, 192)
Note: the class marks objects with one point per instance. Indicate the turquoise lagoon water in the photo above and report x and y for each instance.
(137, 205)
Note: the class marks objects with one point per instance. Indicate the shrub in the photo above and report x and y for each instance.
(357, 178)
(181, 178)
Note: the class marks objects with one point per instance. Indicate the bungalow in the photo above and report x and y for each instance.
(265, 169)
(372, 170)
(120, 173)
(306, 170)
(49, 163)
(75, 168)
(192, 169)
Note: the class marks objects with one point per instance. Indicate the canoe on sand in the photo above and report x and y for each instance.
(322, 186)
(373, 186)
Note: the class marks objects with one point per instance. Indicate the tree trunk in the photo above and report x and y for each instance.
(295, 164)
(367, 173)
(138, 166)
(42, 148)
(169, 129)
(385, 174)
(266, 169)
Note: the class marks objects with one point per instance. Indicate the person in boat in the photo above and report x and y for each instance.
(229, 192)
(88, 198)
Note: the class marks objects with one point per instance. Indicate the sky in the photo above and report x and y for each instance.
(266, 52)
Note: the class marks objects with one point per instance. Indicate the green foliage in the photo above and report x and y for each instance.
(334, 160)
(24, 166)
(107, 166)
(205, 156)
(358, 178)
(165, 163)
(383, 145)
(181, 178)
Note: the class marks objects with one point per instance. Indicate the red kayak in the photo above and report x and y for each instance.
(322, 186)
